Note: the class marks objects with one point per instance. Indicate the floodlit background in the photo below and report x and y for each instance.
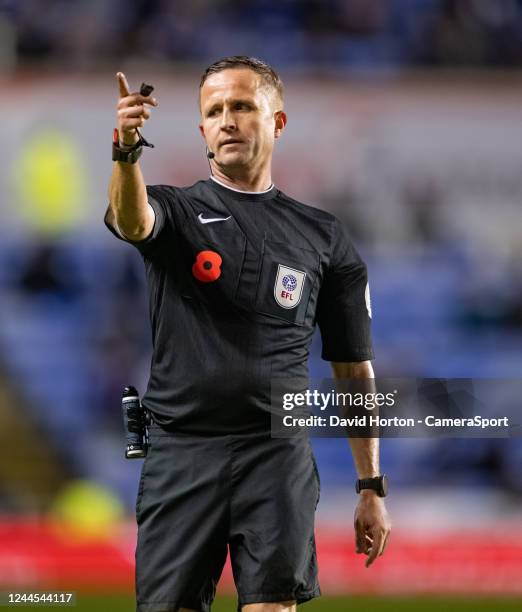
(405, 120)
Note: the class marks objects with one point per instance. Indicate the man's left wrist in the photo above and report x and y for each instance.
(368, 493)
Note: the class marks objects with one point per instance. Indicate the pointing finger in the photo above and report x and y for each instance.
(123, 85)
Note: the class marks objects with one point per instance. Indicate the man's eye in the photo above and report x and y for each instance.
(241, 106)
(212, 112)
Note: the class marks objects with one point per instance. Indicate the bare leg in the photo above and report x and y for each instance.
(280, 606)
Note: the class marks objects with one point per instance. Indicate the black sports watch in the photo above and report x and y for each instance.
(378, 484)
(129, 155)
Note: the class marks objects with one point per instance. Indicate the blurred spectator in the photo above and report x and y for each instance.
(325, 32)
(477, 33)
(44, 274)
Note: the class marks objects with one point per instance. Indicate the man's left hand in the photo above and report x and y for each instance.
(372, 526)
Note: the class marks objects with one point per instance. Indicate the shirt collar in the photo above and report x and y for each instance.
(241, 190)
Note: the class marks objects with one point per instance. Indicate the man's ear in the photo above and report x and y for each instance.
(201, 130)
(280, 122)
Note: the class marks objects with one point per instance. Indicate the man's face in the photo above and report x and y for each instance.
(239, 118)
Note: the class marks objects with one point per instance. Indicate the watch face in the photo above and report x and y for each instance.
(384, 486)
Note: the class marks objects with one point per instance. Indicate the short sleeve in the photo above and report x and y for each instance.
(343, 310)
(160, 198)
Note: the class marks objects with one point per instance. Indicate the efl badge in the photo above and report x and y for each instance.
(288, 286)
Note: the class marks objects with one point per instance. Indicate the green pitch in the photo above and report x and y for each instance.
(90, 603)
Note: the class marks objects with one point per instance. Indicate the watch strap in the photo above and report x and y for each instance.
(129, 155)
(377, 483)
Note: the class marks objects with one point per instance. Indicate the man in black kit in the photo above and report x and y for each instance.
(238, 275)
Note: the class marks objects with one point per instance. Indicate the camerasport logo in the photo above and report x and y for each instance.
(288, 286)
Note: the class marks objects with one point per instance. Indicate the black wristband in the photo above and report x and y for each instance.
(379, 484)
(129, 155)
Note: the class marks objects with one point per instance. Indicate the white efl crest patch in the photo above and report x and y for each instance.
(288, 286)
(368, 300)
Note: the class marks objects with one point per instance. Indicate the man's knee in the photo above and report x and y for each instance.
(279, 606)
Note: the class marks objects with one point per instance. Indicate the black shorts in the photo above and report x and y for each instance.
(199, 496)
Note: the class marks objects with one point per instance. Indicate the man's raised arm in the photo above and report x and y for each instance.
(130, 210)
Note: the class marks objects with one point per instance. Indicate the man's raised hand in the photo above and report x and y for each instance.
(133, 111)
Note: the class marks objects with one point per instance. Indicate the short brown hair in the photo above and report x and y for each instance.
(267, 73)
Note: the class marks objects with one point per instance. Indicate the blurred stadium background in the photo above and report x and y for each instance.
(405, 120)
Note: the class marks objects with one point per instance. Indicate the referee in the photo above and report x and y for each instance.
(238, 275)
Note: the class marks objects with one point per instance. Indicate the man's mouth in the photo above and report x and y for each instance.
(230, 141)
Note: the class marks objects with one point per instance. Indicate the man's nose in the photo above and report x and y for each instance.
(228, 121)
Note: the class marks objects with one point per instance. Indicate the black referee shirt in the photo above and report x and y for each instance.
(237, 282)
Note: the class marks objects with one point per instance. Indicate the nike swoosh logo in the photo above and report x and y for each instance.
(204, 220)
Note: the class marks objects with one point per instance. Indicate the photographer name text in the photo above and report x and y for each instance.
(379, 421)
